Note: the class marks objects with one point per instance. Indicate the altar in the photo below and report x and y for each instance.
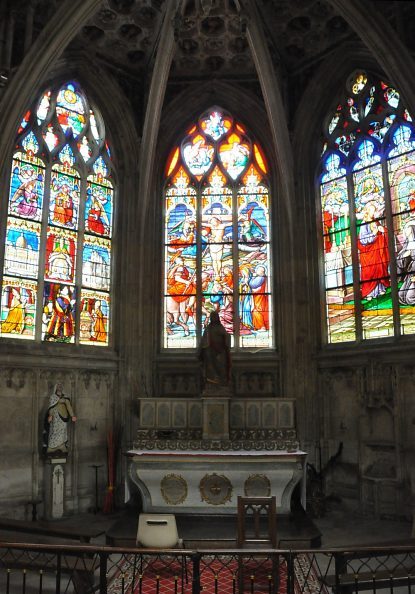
(209, 482)
(196, 455)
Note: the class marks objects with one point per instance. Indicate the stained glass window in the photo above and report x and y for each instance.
(367, 200)
(57, 258)
(217, 253)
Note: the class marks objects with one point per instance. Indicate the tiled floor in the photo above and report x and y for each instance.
(340, 527)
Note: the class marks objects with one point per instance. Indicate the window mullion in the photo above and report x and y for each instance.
(42, 254)
(199, 288)
(235, 254)
(391, 248)
(4, 213)
(355, 257)
(79, 257)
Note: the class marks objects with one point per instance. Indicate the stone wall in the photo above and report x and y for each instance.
(24, 399)
(369, 408)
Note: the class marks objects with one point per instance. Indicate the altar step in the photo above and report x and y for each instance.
(294, 531)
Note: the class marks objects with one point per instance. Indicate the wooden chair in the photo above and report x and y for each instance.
(257, 529)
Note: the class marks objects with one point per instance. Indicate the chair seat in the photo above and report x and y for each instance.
(257, 546)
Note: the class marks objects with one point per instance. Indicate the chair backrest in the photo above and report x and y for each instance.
(157, 531)
(257, 521)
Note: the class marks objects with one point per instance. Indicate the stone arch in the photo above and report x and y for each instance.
(47, 48)
(247, 107)
(121, 132)
(282, 149)
(314, 109)
(188, 105)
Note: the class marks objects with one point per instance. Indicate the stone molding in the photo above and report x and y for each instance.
(279, 440)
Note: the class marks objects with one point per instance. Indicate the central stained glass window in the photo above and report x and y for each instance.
(217, 235)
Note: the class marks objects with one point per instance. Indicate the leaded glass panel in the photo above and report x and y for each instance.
(367, 185)
(216, 229)
(72, 217)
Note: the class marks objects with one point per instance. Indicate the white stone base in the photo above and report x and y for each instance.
(55, 488)
(210, 482)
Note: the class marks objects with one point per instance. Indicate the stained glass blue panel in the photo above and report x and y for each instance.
(22, 248)
(96, 262)
(26, 187)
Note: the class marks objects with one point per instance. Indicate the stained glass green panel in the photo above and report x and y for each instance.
(402, 187)
(338, 269)
(373, 253)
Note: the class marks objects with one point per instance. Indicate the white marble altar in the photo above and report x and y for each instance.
(209, 482)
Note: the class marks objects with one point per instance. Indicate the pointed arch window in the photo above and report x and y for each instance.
(217, 235)
(57, 255)
(367, 199)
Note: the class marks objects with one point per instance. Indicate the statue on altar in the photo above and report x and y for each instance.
(215, 356)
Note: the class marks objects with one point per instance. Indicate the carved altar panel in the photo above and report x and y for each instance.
(179, 415)
(148, 413)
(244, 414)
(253, 415)
(164, 417)
(269, 415)
(286, 414)
(237, 415)
(195, 415)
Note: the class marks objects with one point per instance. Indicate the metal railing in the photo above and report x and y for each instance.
(61, 569)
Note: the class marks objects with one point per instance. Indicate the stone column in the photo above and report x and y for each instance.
(8, 48)
(28, 36)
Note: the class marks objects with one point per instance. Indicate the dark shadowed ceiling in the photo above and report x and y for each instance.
(211, 42)
(211, 36)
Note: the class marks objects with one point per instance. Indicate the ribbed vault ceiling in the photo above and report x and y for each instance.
(211, 41)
